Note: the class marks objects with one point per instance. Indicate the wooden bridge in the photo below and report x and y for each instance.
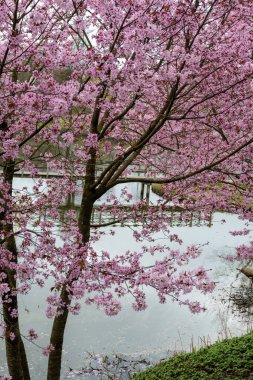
(176, 216)
(46, 172)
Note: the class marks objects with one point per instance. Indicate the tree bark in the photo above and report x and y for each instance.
(59, 324)
(57, 335)
(89, 196)
(15, 350)
(84, 223)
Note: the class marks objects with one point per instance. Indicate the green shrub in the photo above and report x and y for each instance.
(229, 359)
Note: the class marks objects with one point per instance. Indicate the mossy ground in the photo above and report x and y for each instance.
(226, 360)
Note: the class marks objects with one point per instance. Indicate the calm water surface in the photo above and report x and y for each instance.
(159, 329)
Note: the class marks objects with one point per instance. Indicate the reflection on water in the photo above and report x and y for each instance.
(176, 216)
(161, 328)
(241, 299)
(114, 366)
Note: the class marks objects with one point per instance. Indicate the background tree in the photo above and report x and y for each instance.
(162, 85)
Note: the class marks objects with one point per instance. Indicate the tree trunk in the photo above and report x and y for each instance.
(15, 350)
(84, 222)
(57, 334)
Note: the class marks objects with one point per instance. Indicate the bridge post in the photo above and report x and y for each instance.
(142, 192)
(191, 220)
(148, 193)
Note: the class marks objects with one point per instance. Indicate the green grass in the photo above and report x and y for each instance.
(157, 189)
(226, 360)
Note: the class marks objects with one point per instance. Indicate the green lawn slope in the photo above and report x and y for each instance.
(229, 359)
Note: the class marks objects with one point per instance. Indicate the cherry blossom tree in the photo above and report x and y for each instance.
(93, 90)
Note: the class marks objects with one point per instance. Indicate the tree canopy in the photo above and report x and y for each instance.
(91, 91)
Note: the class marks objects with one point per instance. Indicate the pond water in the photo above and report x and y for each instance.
(159, 330)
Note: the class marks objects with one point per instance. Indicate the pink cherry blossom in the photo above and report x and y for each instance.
(100, 94)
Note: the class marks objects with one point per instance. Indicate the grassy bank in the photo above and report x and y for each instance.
(226, 360)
